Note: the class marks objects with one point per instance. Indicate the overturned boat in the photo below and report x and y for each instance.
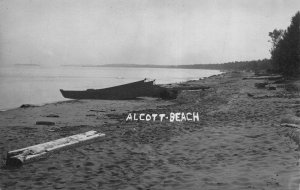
(122, 92)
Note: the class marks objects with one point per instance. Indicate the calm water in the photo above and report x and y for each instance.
(38, 85)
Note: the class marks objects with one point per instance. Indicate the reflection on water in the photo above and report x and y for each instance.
(38, 84)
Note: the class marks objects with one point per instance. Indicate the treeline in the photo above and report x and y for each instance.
(285, 53)
(255, 65)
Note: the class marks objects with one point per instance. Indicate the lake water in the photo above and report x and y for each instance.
(38, 85)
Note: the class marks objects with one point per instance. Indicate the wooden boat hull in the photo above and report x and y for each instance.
(122, 92)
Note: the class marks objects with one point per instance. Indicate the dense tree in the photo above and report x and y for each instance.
(256, 65)
(276, 36)
(285, 53)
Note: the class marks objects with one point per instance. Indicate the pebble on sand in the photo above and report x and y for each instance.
(52, 115)
(28, 106)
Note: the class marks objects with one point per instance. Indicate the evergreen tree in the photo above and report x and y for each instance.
(286, 48)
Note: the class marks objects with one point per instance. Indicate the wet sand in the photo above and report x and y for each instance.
(237, 143)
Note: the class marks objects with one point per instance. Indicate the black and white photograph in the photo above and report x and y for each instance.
(150, 94)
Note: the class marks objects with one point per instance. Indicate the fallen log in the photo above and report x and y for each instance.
(270, 96)
(179, 88)
(277, 77)
(193, 88)
(291, 125)
(293, 131)
(29, 154)
(45, 123)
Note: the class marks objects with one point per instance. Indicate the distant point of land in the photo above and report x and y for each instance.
(253, 65)
(27, 64)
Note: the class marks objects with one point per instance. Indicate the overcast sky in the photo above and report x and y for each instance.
(59, 32)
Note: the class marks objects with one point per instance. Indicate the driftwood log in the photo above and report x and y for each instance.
(190, 88)
(33, 153)
(293, 131)
(290, 125)
(277, 77)
(45, 123)
(171, 92)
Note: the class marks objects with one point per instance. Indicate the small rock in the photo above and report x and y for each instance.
(28, 106)
(271, 88)
(52, 115)
(260, 85)
(97, 110)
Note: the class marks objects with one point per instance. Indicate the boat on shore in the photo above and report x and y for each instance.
(132, 90)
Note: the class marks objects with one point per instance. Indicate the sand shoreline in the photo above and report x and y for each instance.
(236, 144)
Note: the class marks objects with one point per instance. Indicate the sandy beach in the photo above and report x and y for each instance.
(236, 144)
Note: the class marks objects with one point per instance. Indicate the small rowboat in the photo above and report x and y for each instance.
(122, 92)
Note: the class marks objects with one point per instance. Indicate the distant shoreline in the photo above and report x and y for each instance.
(254, 65)
(30, 64)
(142, 66)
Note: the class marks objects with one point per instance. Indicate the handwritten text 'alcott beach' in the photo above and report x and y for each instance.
(179, 116)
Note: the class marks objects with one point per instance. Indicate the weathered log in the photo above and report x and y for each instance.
(180, 88)
(293, 132)
(33, 153)
(277, 77)
(290, 125)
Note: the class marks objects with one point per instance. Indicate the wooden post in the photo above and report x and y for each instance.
(32, 153)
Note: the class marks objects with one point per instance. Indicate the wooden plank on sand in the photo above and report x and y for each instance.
(36, 152)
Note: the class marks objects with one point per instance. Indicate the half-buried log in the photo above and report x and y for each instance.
(291, 125)
(277, 77)
(293, 131)
(45, 123)
(190, 88)
(33, 153)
